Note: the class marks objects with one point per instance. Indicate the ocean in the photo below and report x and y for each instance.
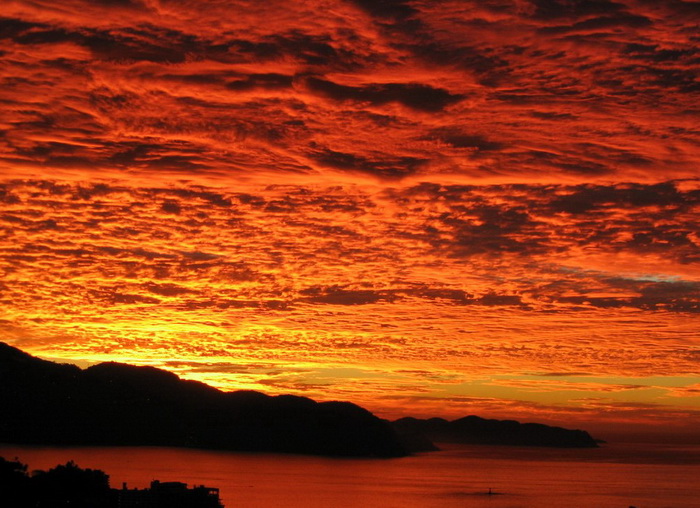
(614, 476)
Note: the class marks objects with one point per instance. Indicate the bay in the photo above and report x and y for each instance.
(620, 475)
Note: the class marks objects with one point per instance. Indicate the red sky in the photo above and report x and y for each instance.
(428, 208)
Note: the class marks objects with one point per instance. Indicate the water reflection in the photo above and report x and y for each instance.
(458, 477)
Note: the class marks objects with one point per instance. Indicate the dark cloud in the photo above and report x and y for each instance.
(662, 239)
(168, 289)
(203, 196)
(665, 299)
(392, 9)
(556, 9)
(120, 3)
(335, 295)
(489, 64)
(564, 374)
(417, 96)
(138, 252)
(601, 23)
(460, 297)
(683, 80)
(132, 299)
(686, 8)
(585, 198)
(309, 49)
(549, 115)
(573, 164)
(164, 45)
(469, 225)
(129, 153)
(680, 289)
(453, 295)
(388, 168)
(268, 81)
(171, 207)
(10, 28)
(314, 50)
(223, 303)
(154, 45)
(655, 53)
(492, 299)
(184, 163)
(199, 256)
(457, 138)
(492, 231)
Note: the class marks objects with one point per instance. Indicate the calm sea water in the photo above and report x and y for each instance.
(617, 476)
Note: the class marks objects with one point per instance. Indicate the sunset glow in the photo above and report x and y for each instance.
(426, 208)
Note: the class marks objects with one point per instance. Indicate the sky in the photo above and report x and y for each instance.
(427, 208)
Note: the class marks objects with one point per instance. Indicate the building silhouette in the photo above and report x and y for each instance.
(168, 495)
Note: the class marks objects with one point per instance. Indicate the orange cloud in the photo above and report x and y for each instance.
(251, 194)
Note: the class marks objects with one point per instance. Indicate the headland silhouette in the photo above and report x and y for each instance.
(114, 404)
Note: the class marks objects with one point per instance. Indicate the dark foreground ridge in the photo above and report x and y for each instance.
(475, 430)
(69, 485)
(113, 404)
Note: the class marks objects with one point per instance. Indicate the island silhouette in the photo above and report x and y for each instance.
(476, 430)
(114, 404)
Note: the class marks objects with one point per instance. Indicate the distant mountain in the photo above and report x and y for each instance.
(46, 403)
(475, 430)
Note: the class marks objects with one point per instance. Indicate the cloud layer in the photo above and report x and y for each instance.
(395, 202)
(486, 91)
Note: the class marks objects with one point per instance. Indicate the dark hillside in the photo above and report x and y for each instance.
(116, 404)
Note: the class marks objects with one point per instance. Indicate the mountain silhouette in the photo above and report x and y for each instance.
(476, 430)
(115, 404)
(46, 403)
